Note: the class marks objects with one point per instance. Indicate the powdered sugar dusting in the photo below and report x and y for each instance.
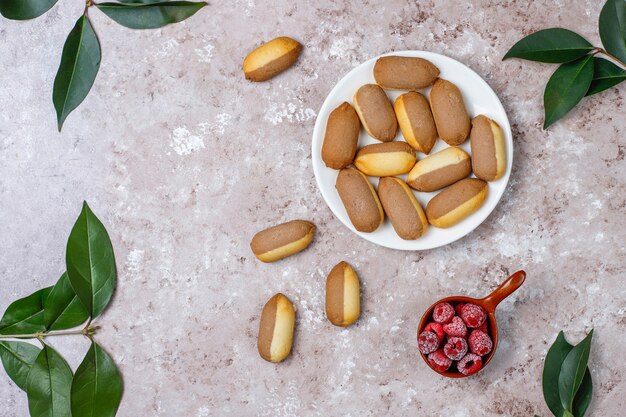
(291, 112)
(205, 54)
(184, 142)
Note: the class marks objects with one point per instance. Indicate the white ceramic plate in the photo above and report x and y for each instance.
(479, 99)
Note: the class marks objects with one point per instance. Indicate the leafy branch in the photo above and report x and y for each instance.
(79, 296)
(567, 384)
(582, 72)
(81, 55)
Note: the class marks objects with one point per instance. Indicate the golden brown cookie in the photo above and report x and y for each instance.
(440, 170)
(360, 200)
(271, 58)
(416, 121)
(449, 112)
(276, 329)
(342, 137)
(376, 113)
(343, 295)
(283, 240)
(402, 208)
(488, 152)
(456, 202)
(385, 159)
(404, 73)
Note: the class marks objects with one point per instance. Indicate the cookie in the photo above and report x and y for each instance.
(449, 112)
(404, 73)
(402, 208)
(283, 240)
(276, 329)
(385, 159)
(343, 295)
(360, 200)
(416, 121)
(376, 113)
(456, 202)
(488, 152)
(342, 137)
(440, 170)
(271, 58)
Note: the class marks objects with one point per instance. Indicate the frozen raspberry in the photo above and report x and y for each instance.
(456, 328)
(427, 342)
(437, 328)
(439, 360)
(459, 308)
(443, 313)
(473, 315)
(480, 343)
(470, 364)
(456, 348)
(483, 328)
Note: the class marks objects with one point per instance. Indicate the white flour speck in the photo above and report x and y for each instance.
(184, 143)
(218, 127)
(166, 47)
(203, 412)
(277, 112)
(205, 54)
(341, 47)
(134, 260)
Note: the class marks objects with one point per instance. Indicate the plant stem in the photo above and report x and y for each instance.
(604, 52)
(88, 331)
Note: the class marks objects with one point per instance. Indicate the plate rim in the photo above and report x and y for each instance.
(320, 124)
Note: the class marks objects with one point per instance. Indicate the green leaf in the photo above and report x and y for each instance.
(80, 61)
(90, 262)
(150, 15)
(141, 1)
(567, 86)
(573, 370)
(551, 371)
(97, 386)
(612, 27)
(583, 396)
(554, 45)
(25, 315)
(49, 385)
(62, 308)
(25, 9)
(605, 75)
(18, 359)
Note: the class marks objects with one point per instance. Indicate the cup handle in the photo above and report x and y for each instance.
(504, 290)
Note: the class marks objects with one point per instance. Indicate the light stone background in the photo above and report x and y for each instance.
(183, 160)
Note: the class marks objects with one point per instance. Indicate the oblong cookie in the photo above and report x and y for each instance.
(276, 329)
(405, 212)
(416, 121)
(341, 137)
(360, 200)
(449, 112)
(376, 113)
(385, 159)
(404, 73)
(343, 295)
(271, 58)
(440, 170)
(283, 240)
(456, 202)
(488, 152)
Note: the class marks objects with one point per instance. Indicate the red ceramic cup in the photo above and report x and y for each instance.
(489, 303)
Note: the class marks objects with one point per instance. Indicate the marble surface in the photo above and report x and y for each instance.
(183, 160)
